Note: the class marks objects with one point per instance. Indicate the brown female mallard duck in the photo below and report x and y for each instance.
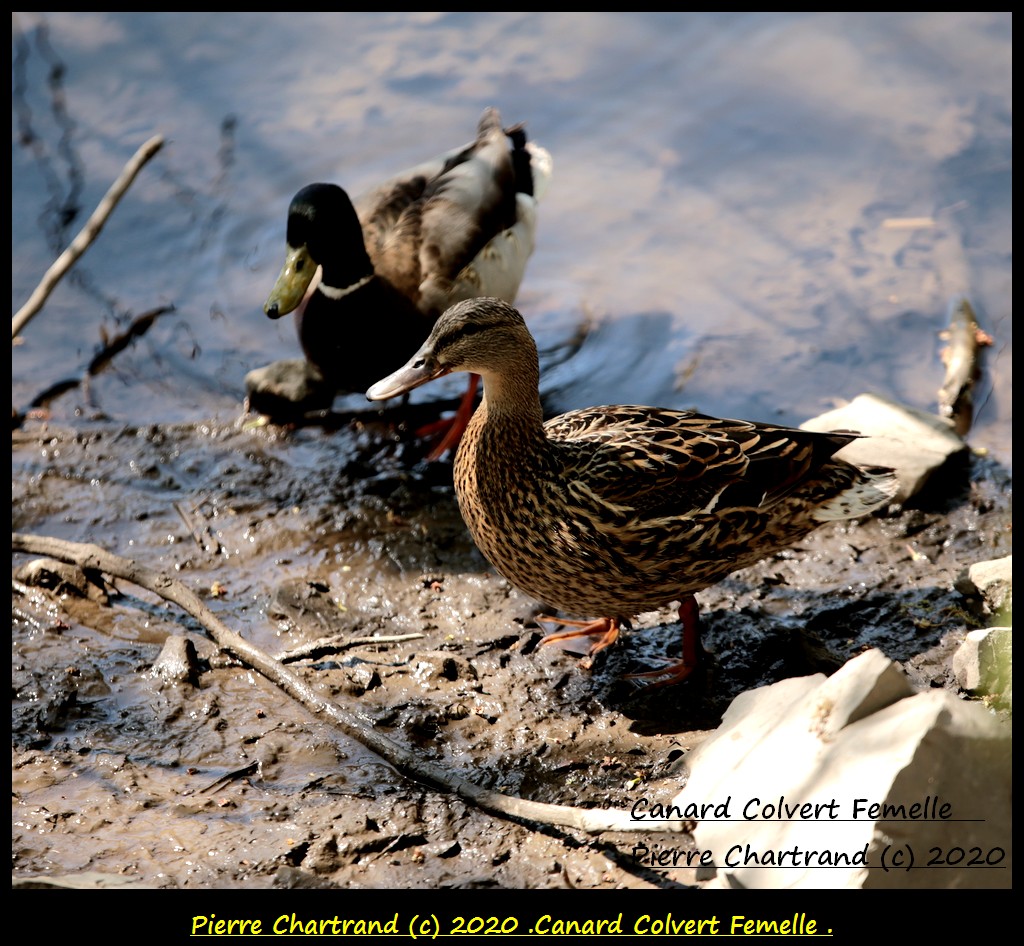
(459, 226)
(619, 509)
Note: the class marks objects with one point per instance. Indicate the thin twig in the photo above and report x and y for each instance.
(86, 235)
(329, 645)
(138, 327)
(202, 536)
(89, 556)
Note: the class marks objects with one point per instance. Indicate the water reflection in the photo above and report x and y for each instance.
(734, 173)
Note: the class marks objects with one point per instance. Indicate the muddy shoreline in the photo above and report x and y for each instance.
(312, 535)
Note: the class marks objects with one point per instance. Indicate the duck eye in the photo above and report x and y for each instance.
(471, 328)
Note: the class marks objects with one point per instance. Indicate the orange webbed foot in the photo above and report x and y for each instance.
(604, 631)
(676, 671)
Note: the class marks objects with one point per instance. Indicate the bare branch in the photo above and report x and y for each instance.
(410, 763)
(138, 327)
(329, 645)
(86, 235)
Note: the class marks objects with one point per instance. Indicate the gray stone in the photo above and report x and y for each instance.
(983, 663)
(992, 581)
(178, 661)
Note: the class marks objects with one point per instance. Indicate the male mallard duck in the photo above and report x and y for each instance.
(619, 509)
(453, 228)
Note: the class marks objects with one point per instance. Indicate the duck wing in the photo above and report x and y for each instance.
(658, 462)
(423, 228)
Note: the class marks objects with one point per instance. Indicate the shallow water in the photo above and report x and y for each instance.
(723, 204)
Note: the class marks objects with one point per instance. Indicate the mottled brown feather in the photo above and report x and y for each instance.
(618, 509)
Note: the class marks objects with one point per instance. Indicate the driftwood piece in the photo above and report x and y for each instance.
(410, 763)
(962, 358)
(86, 235)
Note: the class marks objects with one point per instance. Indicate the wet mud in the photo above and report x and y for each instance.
(153, 771)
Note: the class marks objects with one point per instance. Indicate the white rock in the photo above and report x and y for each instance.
(914, 443)
(831, 748)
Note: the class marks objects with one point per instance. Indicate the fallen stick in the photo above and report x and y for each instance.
(86, 235)
(327, 645)
(138, 327)
(411, 764)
